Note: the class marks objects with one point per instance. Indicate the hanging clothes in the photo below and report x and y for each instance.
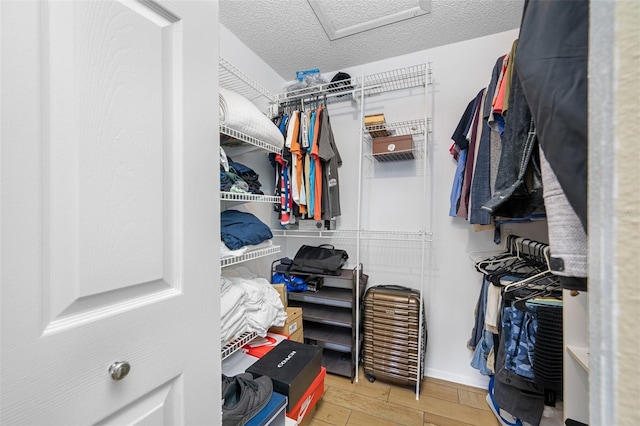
(331, 160)
(292, 142)
(317, 168)
(552, 61)
(519, 182)
(307, 179)
(528, 336)
(311, 187)
(463, 208)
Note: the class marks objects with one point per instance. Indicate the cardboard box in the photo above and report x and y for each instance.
(304, 409)
(378, 121)
(282, 290)
(392, 144)
(298, 336)
(292, 367)
(311, 225)
(292, 324)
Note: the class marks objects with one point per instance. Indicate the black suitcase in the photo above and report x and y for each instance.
(392, 335)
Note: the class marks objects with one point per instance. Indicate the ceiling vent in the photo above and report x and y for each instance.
(344, 18)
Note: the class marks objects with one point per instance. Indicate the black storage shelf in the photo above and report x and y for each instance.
(327, 296)
(312, 313)
(329, 317)
(335, 338)
(336, 362)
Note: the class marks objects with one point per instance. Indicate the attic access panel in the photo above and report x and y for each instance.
(341, 19)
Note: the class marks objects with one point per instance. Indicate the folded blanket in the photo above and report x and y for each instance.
(239, 113)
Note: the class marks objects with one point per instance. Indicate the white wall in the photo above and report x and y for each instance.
(393, 196)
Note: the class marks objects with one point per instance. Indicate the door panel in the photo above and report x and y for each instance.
(110, 160)
(109, 207)
(157, 407)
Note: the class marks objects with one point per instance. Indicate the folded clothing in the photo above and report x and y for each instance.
(248, 175)
(240, 229)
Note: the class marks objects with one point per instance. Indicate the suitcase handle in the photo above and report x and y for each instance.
(394, 286)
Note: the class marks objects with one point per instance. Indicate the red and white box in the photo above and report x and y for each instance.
(261, 345)
(309, 399)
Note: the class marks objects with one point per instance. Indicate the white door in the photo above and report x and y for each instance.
(109, 219)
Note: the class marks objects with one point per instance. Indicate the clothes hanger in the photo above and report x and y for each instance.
(502, 260)
(546, 272)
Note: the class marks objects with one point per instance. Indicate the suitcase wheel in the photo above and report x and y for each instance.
(371, 378)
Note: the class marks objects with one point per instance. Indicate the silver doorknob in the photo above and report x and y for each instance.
(119, 370)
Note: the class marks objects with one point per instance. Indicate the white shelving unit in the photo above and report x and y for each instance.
(417, 76)
(417, 236)
(248, 198)
(234, 79)
(236, 138)
(581, 355)
(576, 355)
(235, 345)
(251, 255)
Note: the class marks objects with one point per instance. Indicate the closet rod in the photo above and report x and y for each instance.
(526, 247)
(313, 97)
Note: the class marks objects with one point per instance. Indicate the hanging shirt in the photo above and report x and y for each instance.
(328, 153)
(305, 118)
(463, 209)
(296, 156)
(311, 187)
(285, 210)
(317, 179)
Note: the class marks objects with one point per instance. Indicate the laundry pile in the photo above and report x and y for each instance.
(248, 304)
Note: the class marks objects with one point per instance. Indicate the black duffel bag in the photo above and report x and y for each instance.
(323, 259)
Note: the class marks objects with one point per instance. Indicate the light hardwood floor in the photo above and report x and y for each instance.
(380, 404)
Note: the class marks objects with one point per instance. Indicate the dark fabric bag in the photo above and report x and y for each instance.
(324, 260)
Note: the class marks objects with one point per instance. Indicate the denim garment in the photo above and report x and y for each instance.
(519, 330)
(481, 354)
(481, 186)
(515, 394)
(481, 309)
(456, 188)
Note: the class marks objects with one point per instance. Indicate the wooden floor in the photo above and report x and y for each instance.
(379, 404)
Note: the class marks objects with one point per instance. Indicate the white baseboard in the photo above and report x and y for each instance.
(478, 381)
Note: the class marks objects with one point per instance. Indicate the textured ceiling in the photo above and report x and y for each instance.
(287, 35)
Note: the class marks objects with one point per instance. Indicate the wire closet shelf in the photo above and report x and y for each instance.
(377, 235)
(251, 255)
(414, 128)
(231, 78)
(248, 198)
(237, 343)
(401, 78)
